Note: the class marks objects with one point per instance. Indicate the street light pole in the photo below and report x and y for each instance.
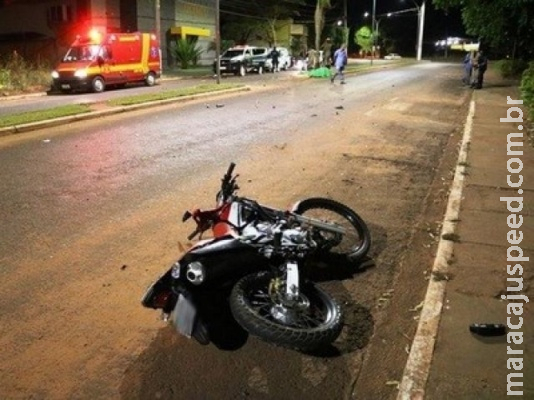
(217, 42)
(157, 26)
(345, 24)
(421, 26)
(373, 22)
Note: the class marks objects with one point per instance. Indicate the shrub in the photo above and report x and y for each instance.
(511, 68)
(18, 75)
(527, 88)
(187, 53)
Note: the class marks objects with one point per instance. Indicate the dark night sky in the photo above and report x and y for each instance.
(403, 28)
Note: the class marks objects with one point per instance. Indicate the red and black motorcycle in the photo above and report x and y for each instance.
(261, 253)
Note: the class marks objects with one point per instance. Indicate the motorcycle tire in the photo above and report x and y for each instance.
(315, 325)
(353, 246)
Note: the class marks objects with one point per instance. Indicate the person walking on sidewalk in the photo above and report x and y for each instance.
(468, 69)
(481, 63)
(340, 61)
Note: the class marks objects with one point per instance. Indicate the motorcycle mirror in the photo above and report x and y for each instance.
(186, 216)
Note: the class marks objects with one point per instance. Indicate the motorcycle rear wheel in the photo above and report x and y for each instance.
(355, 244)
(314, 322)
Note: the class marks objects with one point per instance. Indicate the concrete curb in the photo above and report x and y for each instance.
(11, 130)
(417, 368)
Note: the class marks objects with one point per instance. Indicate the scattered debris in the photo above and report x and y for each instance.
(393, 383)
(124, 267)
(453, 237)
(46, 141)
(441, 276)
(418, 307)
(488, 329)
(340, 108)
(219, 105)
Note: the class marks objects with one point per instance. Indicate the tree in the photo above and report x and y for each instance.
(504, 25)
(320, 9)
(238, 28)
(364, 39)
(275, 10)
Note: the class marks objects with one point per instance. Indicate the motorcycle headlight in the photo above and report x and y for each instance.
(81, 73)
(195, 273)
(55, 75)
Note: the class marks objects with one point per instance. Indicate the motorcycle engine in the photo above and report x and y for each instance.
(263, 233)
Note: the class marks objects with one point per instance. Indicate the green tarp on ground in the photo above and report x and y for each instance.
(322, 72)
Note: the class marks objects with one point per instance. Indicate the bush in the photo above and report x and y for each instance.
(18, 75)
(511, 68)
(187, 53)
(527, 88)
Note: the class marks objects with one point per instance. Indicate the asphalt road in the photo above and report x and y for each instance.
(90, 217)
(40, 101)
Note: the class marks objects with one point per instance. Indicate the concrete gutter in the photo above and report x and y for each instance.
(11, 130)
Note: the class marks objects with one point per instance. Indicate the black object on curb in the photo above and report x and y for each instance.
(488, 329)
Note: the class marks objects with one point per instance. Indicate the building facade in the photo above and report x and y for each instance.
(42, 30)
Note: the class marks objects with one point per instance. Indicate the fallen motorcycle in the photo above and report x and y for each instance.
(260, 254)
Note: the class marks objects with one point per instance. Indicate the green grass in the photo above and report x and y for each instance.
(170, 94)
(41, 115)
(64, 111)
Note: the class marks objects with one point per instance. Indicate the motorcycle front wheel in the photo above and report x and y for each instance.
(312, 321)
(354, 244)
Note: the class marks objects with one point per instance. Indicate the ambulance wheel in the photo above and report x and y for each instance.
(150, 79)
(98, 85)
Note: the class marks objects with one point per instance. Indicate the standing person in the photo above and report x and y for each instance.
(327, 53)
(482, 64)
(340, 60)
(468, 69)
(275, 54)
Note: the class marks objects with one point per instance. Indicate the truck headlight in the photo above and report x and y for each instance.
(81, 73)
(55, 75)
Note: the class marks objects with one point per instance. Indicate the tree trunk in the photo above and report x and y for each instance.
(319, 23)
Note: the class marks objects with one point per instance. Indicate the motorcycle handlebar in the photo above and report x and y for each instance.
(230, 170)
(228, 181)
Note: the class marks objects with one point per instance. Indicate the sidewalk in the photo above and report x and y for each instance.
(465, 365)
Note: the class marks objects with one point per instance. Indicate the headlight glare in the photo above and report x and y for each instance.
(81, 73)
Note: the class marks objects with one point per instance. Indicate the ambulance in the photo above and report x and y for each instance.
(96, 61)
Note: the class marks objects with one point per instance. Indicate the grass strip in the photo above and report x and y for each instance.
(169, 94)
(41, 115)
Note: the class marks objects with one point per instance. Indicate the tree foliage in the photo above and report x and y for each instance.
(364, 38)
(507, 26)
(259, 17)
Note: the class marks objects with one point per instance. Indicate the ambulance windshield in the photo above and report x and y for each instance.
(82, 53)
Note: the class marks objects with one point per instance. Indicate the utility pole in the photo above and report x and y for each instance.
(157, 25)
(345, 25)
(421, 26)
(217, 42)
(373, 22)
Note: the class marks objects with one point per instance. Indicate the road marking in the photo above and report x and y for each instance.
(412, 386)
